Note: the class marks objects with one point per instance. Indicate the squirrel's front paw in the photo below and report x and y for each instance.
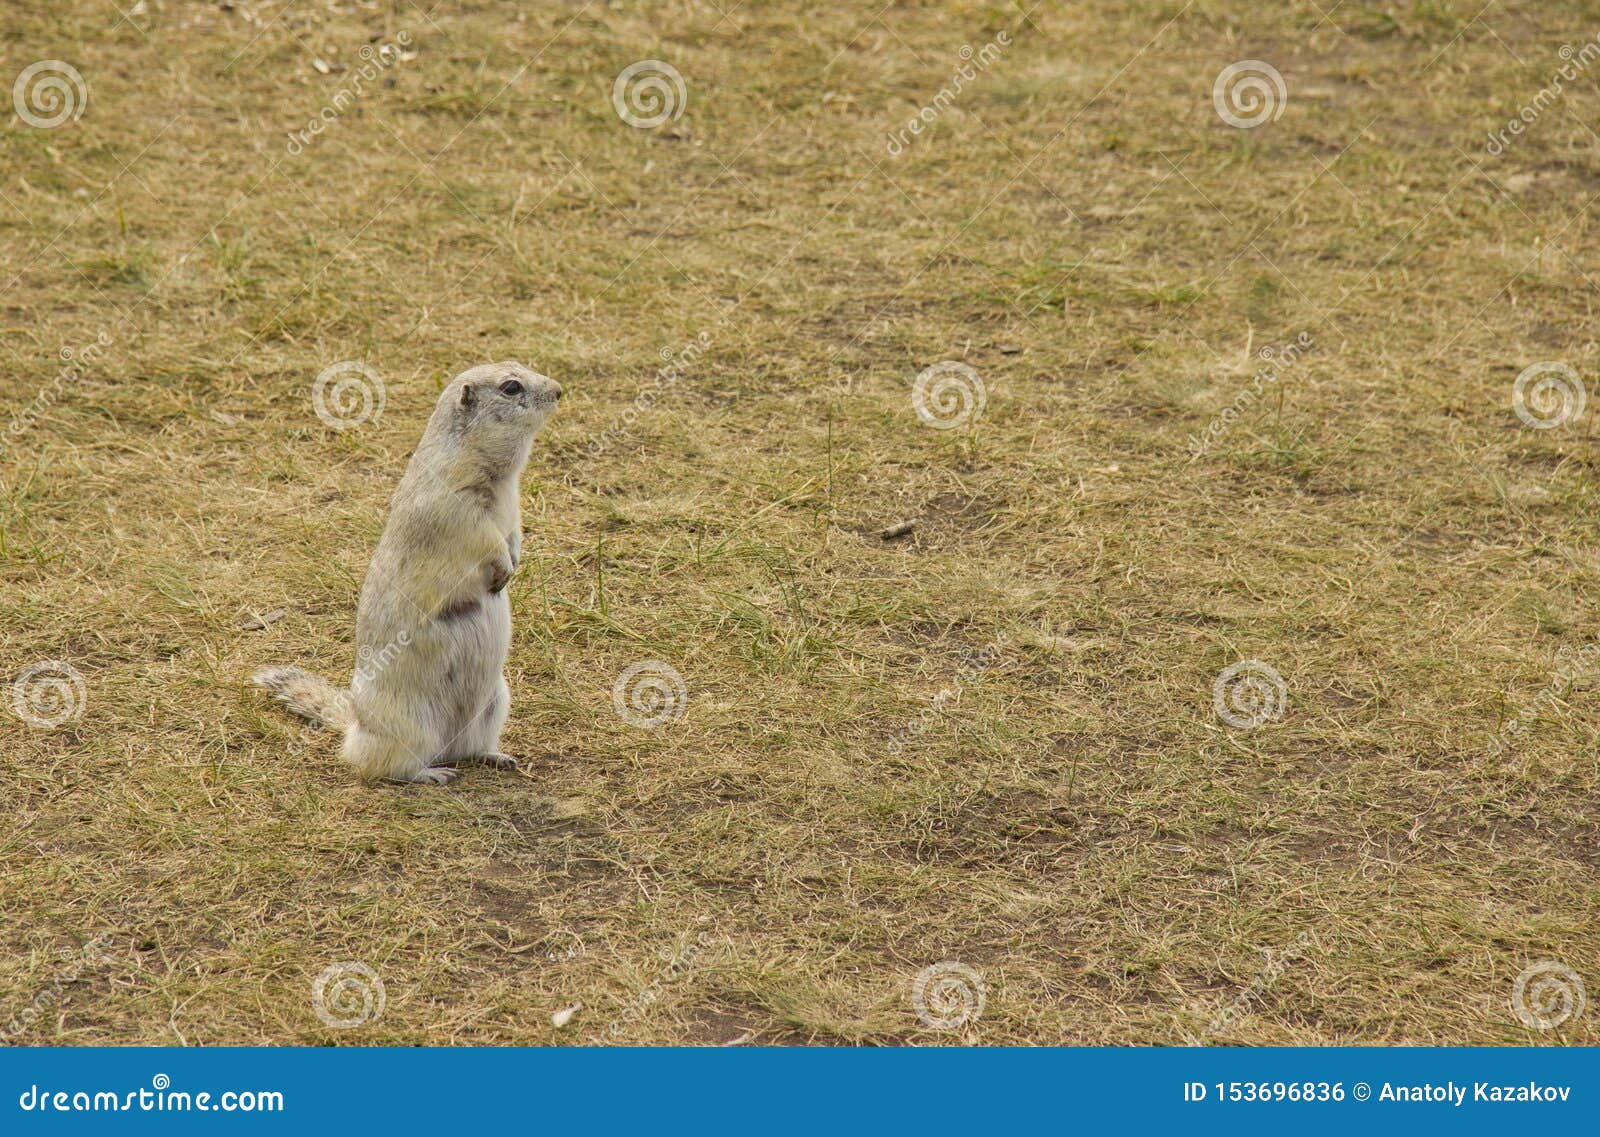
(499, 574)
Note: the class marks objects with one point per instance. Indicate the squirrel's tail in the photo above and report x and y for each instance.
(309, 696)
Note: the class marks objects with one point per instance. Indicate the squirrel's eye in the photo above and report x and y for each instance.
(511, 388)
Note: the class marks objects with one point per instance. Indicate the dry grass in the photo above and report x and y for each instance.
(1083, 230)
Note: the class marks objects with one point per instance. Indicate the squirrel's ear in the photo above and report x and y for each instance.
(469, 397)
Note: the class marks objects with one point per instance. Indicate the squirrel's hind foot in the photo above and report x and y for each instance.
(432, 776)
(492, 758)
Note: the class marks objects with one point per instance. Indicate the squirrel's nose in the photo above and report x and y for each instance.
(556, 388)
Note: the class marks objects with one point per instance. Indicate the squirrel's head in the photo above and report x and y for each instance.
(501, 406)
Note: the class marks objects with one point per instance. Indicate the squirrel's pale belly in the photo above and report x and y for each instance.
(436, 696)
(473, 650)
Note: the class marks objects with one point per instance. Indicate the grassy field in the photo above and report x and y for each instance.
(1247, 398)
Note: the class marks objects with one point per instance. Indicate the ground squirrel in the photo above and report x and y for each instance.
(434, 623)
